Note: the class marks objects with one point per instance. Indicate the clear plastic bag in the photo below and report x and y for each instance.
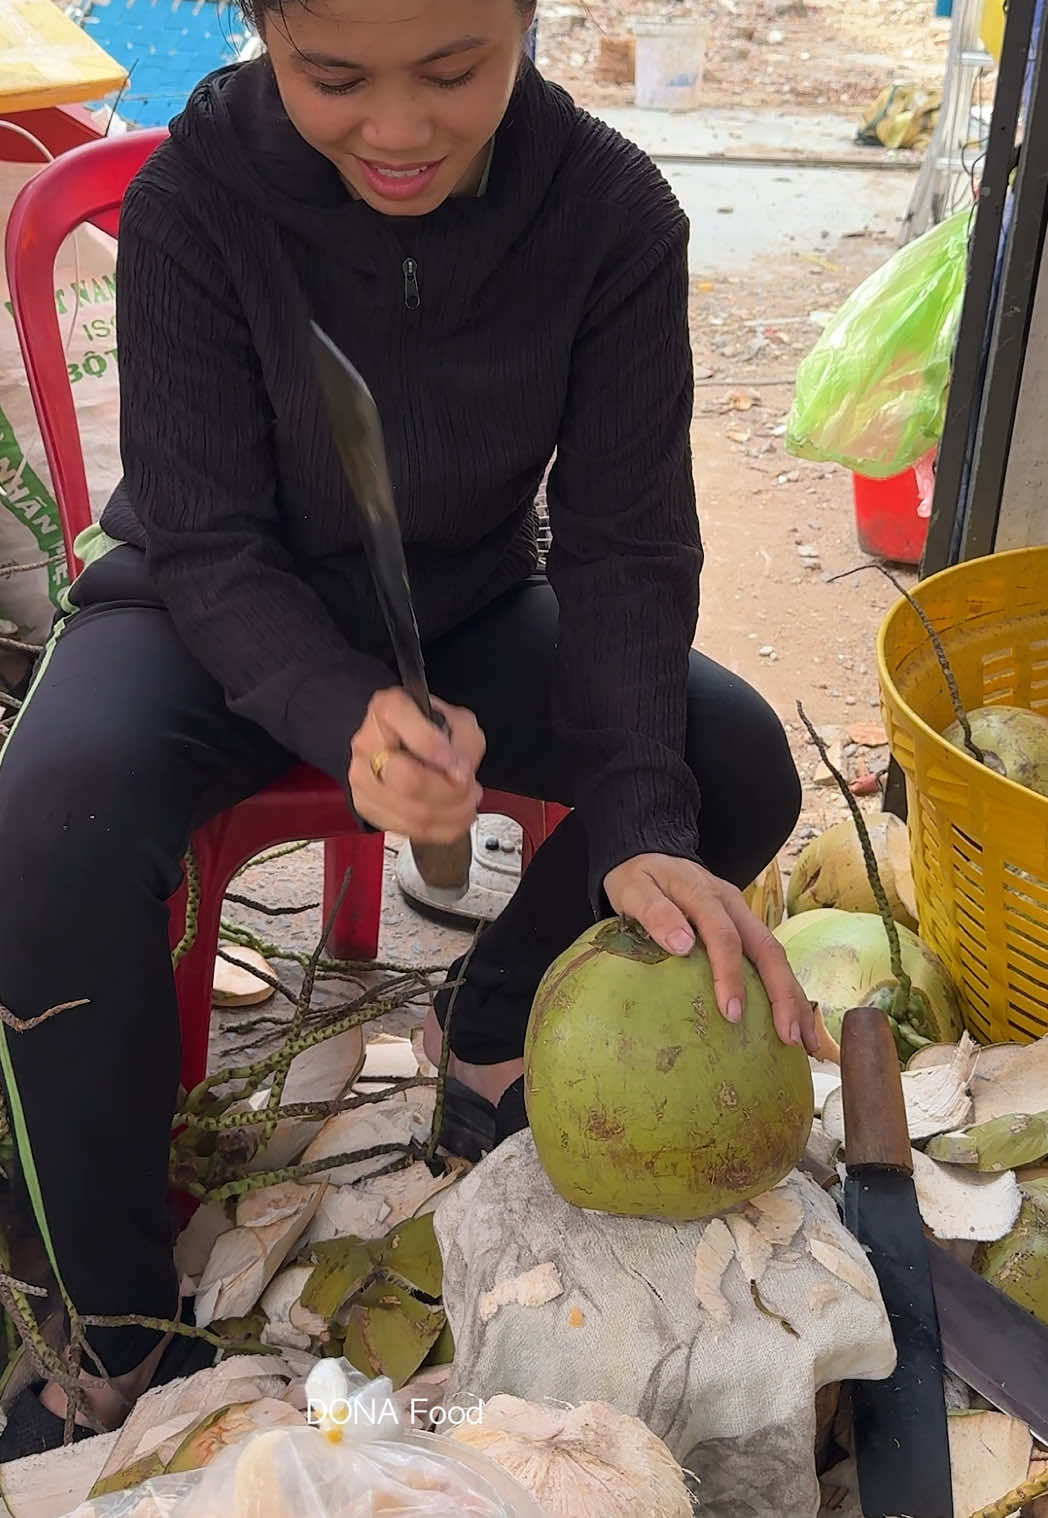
(872, 393)
(357, 1462)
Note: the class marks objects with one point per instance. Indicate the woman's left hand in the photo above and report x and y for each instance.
(672, 899)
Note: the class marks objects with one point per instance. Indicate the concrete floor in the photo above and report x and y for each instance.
(742, 213)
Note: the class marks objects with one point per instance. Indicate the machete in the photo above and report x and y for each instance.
(902, 1447)
(357, 430)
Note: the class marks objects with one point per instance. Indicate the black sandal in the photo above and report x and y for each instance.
(31, 1429)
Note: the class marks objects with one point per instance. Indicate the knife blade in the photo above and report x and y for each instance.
(988, 1341)
(902, 1447)
(357, 429)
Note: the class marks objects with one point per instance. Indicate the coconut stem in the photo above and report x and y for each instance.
(940, 653)
(188, 938)
(1016, 1499)
(267, 911)
(903, 983)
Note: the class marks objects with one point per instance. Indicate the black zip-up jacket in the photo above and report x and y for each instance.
(546, 317)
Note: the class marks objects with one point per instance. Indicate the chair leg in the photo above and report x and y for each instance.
(355, 931)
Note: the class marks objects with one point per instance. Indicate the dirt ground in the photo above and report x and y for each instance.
(837, 53)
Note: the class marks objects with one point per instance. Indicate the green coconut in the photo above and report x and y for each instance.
(643, 1099)
(842, 960)
(1013, 742)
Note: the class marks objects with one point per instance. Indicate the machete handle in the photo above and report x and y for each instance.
(444, 866)
(876, 1134)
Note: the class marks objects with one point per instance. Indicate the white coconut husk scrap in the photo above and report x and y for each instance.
(197, 1240)
(1013, 1080)
(938, 1098)
(242, 1263)
(290, 1324)
(397, 1119)
(957, 1203)
(989, 1456)
(387, 1059)
(325, 1072)
(532, 1288)
(234, 985)
(162, 1417)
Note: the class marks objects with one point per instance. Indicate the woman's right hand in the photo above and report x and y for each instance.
(408, 777)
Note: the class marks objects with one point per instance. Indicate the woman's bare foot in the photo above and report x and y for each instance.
(488, 1081)
(111, 1400)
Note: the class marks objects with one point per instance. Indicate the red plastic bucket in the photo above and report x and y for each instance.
(886, 517)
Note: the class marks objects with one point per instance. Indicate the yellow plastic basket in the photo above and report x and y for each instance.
(979, 842)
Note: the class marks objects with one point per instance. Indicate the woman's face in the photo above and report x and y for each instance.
(403, 96)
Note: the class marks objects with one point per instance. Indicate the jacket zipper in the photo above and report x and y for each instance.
(412, 295)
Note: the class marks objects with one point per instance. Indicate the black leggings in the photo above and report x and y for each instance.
(124, 746)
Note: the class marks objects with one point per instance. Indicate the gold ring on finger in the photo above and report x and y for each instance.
(378, 763)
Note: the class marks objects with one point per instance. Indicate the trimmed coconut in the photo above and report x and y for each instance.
(843, 960)
(1013, 742)
(831, 871)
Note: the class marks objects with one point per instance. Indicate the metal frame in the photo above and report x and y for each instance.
(977, 361)
(1003, 271)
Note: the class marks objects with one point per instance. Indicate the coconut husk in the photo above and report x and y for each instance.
(387, 1059)
(1003, 1143)
(396, 1120)
(197, 1240)
(161, 1419)
(290, 1324)
(326, 1072)
(989, 1456)
(235, 986)
(270, 1223)
(1017, 1264)
(590, 1461)
(937, 1098)
(956, 1203)
(1011, 1078)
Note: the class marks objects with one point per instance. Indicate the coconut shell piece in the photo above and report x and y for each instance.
(270, 1223)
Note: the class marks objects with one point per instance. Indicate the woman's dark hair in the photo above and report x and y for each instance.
(255, 11)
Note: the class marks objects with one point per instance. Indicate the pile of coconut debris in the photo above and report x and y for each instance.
(978, 1123)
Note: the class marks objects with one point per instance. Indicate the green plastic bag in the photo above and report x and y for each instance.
(871, 394)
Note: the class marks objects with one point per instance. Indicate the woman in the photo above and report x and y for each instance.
(511, 278)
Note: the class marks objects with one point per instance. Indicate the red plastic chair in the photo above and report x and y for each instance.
(87, 184)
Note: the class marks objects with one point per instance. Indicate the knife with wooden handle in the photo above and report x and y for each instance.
(357, 428)
(902, 1447)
